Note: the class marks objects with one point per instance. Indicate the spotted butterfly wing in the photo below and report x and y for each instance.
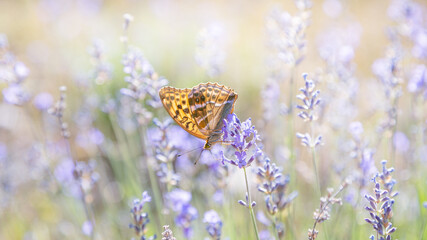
(210, 103)
(175, 102)
(207, 103)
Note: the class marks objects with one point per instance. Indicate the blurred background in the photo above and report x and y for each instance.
(73, 158)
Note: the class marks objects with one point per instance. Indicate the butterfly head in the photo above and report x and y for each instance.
(207, 146)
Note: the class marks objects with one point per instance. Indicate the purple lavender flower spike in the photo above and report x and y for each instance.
(140, 218)
(243, 137)
(418, 81)
(15, 94)
(179, 201)
(214, 224)
(274, 185)
(309, 97)
(381, 203)
(210, 54)
(167, 234)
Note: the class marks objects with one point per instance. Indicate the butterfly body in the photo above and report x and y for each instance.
(201, 109)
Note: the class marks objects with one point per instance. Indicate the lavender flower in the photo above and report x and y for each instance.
(418, 81)
(243, 138)
(214, 224)
(380, 205)
(401, 142)
(388, 70)
(87, 228)
(140, 218)
(64, 174)
(179, 201)
(103, 70)
(143, 82)
(91, 136)
(273, 184)
(58, 111)
(310, 100)
(271, 100)
(167, 233)
(287, 34)
(14, 73)
(128, 19)
(165, 154)
(209, 53)
(409, 17)
(43, 101)
(361, 153)
(248, 203)
(11, 70)
(336, 47)
(322, 213)
(142, 79)
(265, 235)
(15, 94)
(85, 172)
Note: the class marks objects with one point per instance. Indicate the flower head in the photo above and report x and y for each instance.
(167, 234)
(418, 82)
(179, 201)
(381, 203)
(209, 53)
(15, 94)
(310, 99)
(140, 218)
(214, 224)
(243, 137)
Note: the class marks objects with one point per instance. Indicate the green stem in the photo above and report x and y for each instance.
(275, 227)
(251, 210)
(147, 155)
(291, 133)
(313, 153)
(90, 216)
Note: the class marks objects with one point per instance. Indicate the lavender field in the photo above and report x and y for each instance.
(327, 139)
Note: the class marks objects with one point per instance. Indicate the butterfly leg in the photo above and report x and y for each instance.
(200, 155)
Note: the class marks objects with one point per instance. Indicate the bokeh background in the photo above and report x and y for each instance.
(367, 58)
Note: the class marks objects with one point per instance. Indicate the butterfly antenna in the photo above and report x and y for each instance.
(179, 155)
(200, 155)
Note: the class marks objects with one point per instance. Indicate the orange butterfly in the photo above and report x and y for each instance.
(201, 109)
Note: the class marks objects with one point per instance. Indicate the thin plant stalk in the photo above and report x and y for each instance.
(325, 207)
(58, 113)
(291, 131)
(88, 210)
(291, 135)
(275, 227)
(393, 148)
(313, 155)
(251, 210)
(151, 174)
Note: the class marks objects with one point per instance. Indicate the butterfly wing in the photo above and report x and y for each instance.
(210, 103)
(176, 103)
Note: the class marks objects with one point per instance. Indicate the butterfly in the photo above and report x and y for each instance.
(201, 109)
